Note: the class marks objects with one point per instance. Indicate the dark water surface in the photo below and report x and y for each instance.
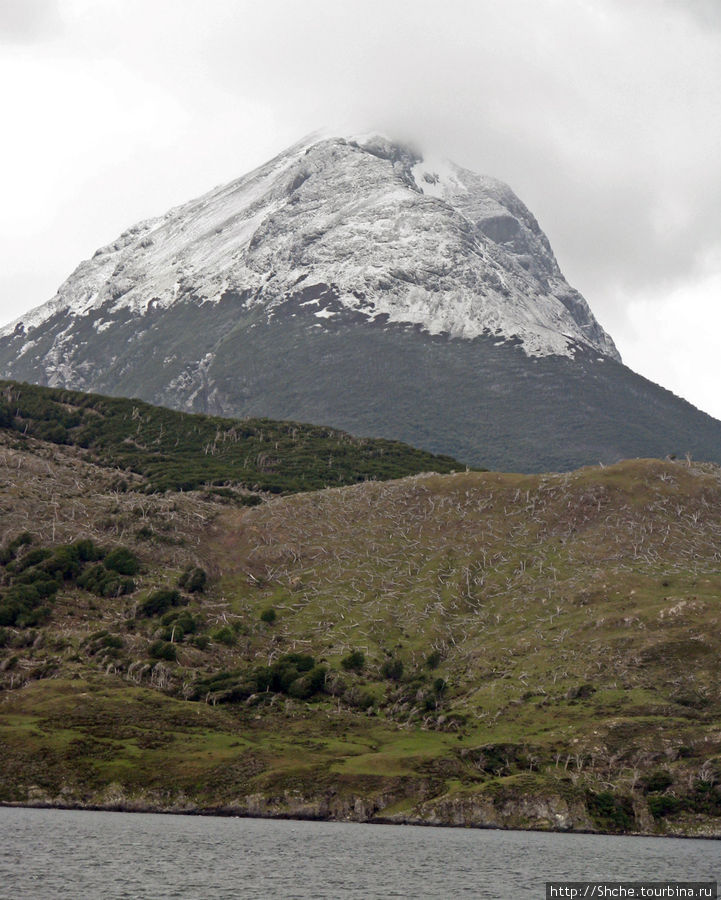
(104, 856)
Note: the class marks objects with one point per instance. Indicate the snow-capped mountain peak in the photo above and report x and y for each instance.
(387, 232)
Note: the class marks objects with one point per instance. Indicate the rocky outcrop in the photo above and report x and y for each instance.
(536, 811)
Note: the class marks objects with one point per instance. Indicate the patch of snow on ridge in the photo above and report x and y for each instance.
(437, 178)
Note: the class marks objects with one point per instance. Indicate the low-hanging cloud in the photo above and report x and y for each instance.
(23, 21)
(601, 114)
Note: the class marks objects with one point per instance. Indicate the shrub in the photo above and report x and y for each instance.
(163, 650)
(87, 551)
(268, 615)
(42, 583)
(303, 662)
(706, 798)
(610, 812)
(92, 578)
(392, 669)
(193, 580)
(306, 685)
(122, 561)
(24, 539)
(224, 635)
(6, 416)
(354, 661)
(33, 558)
(360, 699)
(50, 431)
(65, 563)
(118, 587)
(99, 581)
(9, 610)
(280, 676)
(23, 604)
(29, 618)
(657, 781)
(8, 554)
(114, 641)
(158, 602)
(433, 660)
(184, 622)
(663, 805)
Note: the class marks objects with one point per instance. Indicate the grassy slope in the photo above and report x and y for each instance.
(574, 621)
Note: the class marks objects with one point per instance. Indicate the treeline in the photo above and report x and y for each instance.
(182, 451)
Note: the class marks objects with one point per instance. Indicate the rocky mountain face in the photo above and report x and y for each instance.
(354, 283)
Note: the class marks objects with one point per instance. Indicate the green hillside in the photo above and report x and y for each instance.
(181, 451)
(476, 648)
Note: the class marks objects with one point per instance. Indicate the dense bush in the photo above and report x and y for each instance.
(98, 580)
(611, 812)
(122, 561)
(295, 674)
(69, 560)
(33, 578)
(193, 580)
(359, 698)
(657, 781)
(163, 650)
(33, 558)
(392, 669)
(6, 416)
(706, 798)
(65, 563)
(433, 660)
(223, 635)
(662, 805)
(305, 686)
(178, 624)
(9, 553)
(158, 602)
(354, 661)
(223, 687)
(103, 643)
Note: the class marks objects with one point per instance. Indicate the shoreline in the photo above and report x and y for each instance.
(227, 812)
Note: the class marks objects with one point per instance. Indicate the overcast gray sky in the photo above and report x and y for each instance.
(602, 115)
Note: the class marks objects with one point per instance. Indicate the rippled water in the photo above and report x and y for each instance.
(104, 856)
